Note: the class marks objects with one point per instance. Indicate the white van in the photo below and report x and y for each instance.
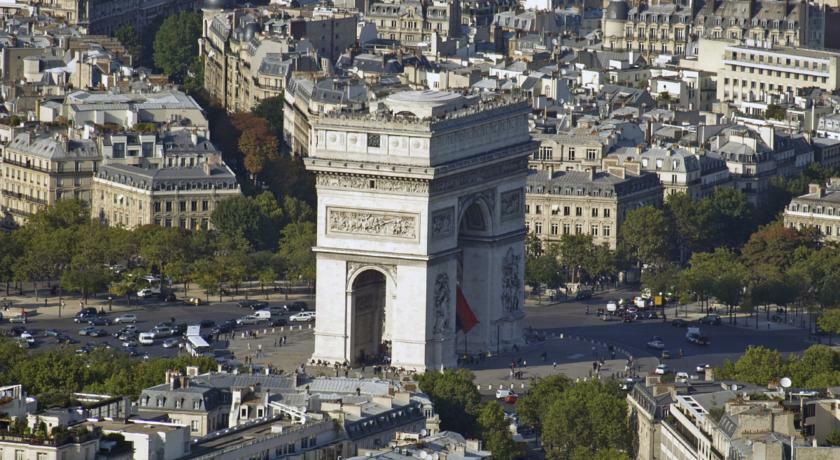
(263, 315)
(612, 307)
(146, 338)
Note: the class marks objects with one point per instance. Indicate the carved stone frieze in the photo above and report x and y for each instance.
(511, 204)
(511, 282)
(442, 314)
(443, 222)
(381, 184)
(372, 223)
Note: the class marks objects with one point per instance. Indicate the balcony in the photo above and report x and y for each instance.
(24, 197)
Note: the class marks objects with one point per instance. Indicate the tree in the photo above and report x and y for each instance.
(691, 219)
(758, 365)
(494, 430)
(128, 38)
(646, 235)
(296, 242)
(176, 44)
(591, 415)
(775, 112)
(531, 407)
(829, 321)
(833, 438)
(772, 245)
(731, 218)
(267, 276)
(124, 288)
(256, 219)
(665, 279)
(730, 279)
(271, 109)
(455, 398)
(582, 453)
(543, 270)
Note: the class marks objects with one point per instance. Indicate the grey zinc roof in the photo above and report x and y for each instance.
(266, 382)
(55, 149)
(168, 178)
(341, 385)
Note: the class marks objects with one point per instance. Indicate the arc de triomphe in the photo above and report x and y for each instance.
(420, 229)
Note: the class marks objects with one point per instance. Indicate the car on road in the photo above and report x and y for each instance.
(697, 339)
(665, 354)
(701, 368)
(302, 317)
(126, 318)
(193, 301)
(681, 377)
(130, 344)
(160, 332)
(18, 319)
(171, 343)
(628, 318)
(253, 304)
(777, 318)
(662, 369)
(713, 320)
(583, 294)
(656, 343)
(168, 297)
(650, 315)
(52, 333)
(298, 306)
(66, 339)
(224, 327)
(91, 331)
(99, 321)
(278, 322)
(503, 393)
(679, 323)
(207, 323)
(145, 293)
(249, 319)
(146, 338)
(628, 382)
(28, 338)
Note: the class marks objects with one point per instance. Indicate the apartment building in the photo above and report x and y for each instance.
(412, 22)
(38, 170)
(572, 149)
(587, 202)
(76, 445)
(250, 57)
(753, 77)
(654, 27)
(106, 16)
(168, 107)
(819, 208)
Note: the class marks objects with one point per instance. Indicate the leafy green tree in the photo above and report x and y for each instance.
(775, 112)
(176, 44)
(125, 287)
(543, 270)
(731, 218)
(257, 219)
(829, 321)
(646, 235)
(582, 453)
(127, 36)
(772, 245)
(699, 278)
(455, 398)
(494, 430)
(267, 276)
(664, 279)
(531, 406)
(691, 221)
(758, 365)
(817, 365)
(271, 109)
(592, 415)
(11, 250)
(296, 242)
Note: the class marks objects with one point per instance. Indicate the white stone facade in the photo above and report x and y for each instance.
(430, 204)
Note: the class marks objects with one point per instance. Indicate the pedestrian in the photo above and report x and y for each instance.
(259, 348)
(524, 363)
(284, 340)
(554, 365)
(275, 343)
(249, 346)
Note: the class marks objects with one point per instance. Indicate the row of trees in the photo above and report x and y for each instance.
(817, 367)
(62, 246)
(577, 420)
(56, 373)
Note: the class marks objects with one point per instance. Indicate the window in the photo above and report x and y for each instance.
(606, 230)
(182, 206)
(555, 229)
(591, 154)
(571, 153)
(594, 212)
(373, 140)
(538, 209)
(545, 153)
(527, 209)
(578, 229)
(119, 150)
(538, 228)
(168, 207)
(567, 211)
(606, 212)
(194, 426)
(565, 229)
(205, 205)
(594, 230)
(578, 211)
(193, 205)
(18, 455)
(157, 206)
(168, 223)
(148, 149)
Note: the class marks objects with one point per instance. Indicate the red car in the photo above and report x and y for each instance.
(511, 398)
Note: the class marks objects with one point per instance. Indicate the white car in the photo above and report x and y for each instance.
(127, 318)
(170, 343)
(144, 293)
(681, 377)
(303, 317)
(20, 319)
(656, 344)
(662, 369)
(249, 319)
(503, 393)
(27, 337)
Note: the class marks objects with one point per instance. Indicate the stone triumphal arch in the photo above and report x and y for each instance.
(420, 252)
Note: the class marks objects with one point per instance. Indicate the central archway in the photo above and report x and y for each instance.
(369, 301)
(473, 275)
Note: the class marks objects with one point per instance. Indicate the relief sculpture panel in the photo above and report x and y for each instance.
(372, 223)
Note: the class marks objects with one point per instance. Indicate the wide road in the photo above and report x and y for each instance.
(727, 342)
(148, 314)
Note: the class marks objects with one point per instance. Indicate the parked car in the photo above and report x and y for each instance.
(298, 306)
(51, 333)
(701, 368)
(85, 315)
(87, 330)
(662, 369)
(170, 343)
(28, 338)
(129, 344)
(278, 322)
(628, 318)
(665, 354)
(681, 377)
(62, 338)
(253, 304)
(126, 318)
(583, 294)
(127, 335)
(168, 297)
(194, 301)
(503, 393)
(146, 338)
(711, 319)
(207, 323)
(145, 293)
(161, 332)
(679, 323)
(99, 321)
(302, 317)
(97, 332)
(17, 319)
